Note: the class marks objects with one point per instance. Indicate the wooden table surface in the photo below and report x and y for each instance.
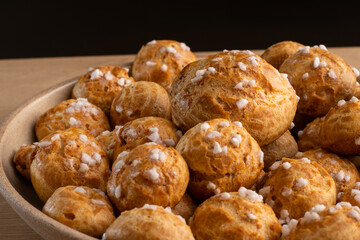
(21, 79)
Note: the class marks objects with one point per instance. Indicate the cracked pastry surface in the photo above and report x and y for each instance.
(161, 61)
(85, 209)
(235, 85)
(68, 157)
(222, 156)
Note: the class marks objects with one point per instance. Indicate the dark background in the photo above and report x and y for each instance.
(80, 28)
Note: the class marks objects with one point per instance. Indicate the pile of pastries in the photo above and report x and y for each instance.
(234, 145)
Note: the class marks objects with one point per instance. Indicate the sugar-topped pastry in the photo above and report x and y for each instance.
(309, 137)
(148, 174)
(294, 186)
(235, 85)
(149, 222)
(340, 128)
(23, 158)
(147, 129)
(222, 156)
(342, 170)
(68, 157)
(72, 113)
(140, 99)
(284, 146)
(109, 139)
(160, 61)
(242, 214)
(278, 52)
(340, 221)
(100, 85)
(320, 78)
(85, 209)
(185, 208)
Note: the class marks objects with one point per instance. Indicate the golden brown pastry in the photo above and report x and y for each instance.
(82, 208)
(147, 129)
(236, 85)
(23, 158)
(150, 222)
(278, 52)
(235, 215)
(284, 146)
(100, 85)
(185, 208)
(309, 137)
(160, 61)
(326, 223)
(77, 113)
(320, 78)
(343, 171)
(68, 157)
(351, 195)
(109, 140)
(148, 174)
(294, 186)
(222, 156)
(140, 99)
(340, 128)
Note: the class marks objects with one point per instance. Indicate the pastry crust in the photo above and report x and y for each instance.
(109, 140)
(336, 222)
(236, 85)
(222, 156)
(340, 128)
(320, 78)
(278, 52)
(140, 99)
(342, 170)
(68, 157)
(148, 223)
(296, 185)
(242, 214)
(23, 158)
(100, 85)
(309, 137)
(82, 208)
(284, 146)
(161, 61)
(185, 208)
(147, 129)
(148, 174)
(76, 113)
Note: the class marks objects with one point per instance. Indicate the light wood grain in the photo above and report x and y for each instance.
(21, 79)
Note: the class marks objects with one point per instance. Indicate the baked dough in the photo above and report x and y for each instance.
(140, 99)
(147, 129)
(222, 156)
(284, 146)
(320, 78)
(68, 157)
(235, 215)
(278, 52)
(185, 208)
(148, 174)
(76, 113)
(327, 223)
(100, 85)
(294, 186)
(82, 208)
(23, 158)
(150, 222)
(236, 85)
(340, 128)
(309, 137)
(109, 140)
(343, 171)
(161, 61)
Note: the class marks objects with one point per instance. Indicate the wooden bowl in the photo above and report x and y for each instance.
(17, 129)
